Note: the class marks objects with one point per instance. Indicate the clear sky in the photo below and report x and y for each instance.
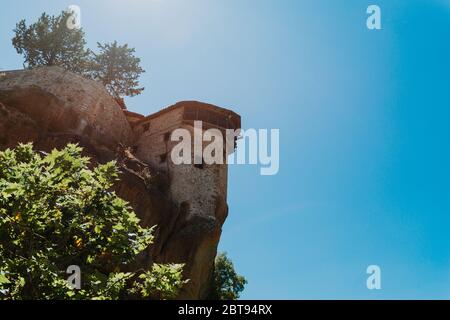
(364, 129)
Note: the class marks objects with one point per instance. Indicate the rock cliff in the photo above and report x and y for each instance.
(52, 107)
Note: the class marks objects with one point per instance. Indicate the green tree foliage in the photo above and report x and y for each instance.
(49, 42)
(56, 212)
(118, 69)
(227, 284)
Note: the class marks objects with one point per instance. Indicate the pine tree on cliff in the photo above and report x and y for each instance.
(50, 42)
(118, 69)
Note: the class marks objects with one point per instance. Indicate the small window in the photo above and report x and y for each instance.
(185, 206)
(163, 158)
(146, 127)
(199, 165)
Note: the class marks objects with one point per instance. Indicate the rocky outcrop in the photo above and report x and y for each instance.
(62, 105)
(52, 107)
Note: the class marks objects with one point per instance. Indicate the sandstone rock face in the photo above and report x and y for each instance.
(58, 102)
(52, 107)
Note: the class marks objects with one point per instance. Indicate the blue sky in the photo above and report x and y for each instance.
(364, 129)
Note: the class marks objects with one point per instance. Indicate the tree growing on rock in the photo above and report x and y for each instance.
(118, 69)
(49, 42)
(56, 213)
(227, 283)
